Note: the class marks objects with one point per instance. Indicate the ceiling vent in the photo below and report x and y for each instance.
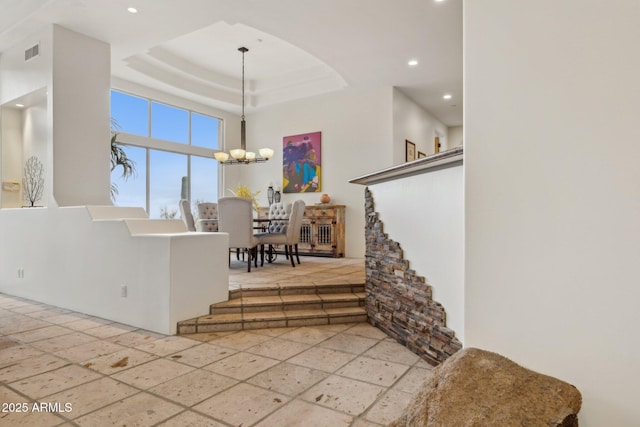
(32, 52)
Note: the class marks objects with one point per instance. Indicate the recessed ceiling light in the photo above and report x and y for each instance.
(413, 63)
(132, 10)
(446, 96)
(19, 105)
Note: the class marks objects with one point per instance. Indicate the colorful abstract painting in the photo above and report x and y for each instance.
(301, 163)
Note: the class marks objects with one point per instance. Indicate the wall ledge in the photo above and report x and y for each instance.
(415, 167)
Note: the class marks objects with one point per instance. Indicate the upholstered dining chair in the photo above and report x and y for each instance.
(186, 215)
(279, 216)
(289, 236)
(235, 217)
(207, 217)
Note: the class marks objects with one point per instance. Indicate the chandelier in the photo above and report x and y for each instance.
(241, 155)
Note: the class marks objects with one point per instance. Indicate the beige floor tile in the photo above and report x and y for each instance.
(40, 334)
(90, 350)
(20, 323)
(379, 372)
(93, 395)
(110, 330)
(325, 359)
(190, 419)
(111, 363)
(202, 354)
(32, 308)
(288, 379)
(44, 314)
(273, 332)
(31, 366)
(10, 303)
(140, 410)
(393, 352)
(308, 335)
(303, 414)
(349, 343)
(61, 319)
(41, 385)
(207, 336)
(152, 373)
(241, 365)
(278, 348)
(13, 353)
(343, 394)
(167, 345)
(389, 408)
(193, 387)
(135, 338)
(243, 404)
(24, 415)
(423, 364)
(30, 419)
(366, 330)
(412, 380)
(63, 342)
(88, 323)
(241, 340)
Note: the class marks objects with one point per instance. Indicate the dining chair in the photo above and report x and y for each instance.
(186, 215)
(235, 217)
(289, 236)
(279, 216)
(207, 217)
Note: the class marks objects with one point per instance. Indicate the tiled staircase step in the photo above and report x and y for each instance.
(274, 307)
(288, 302)
(346, 315)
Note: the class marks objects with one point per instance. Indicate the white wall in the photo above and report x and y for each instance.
(72, 261)
(552, 184)
(412, 122)
(455, 137)
(11, 153)
(356, 134)
(81, 80)
(424, 213)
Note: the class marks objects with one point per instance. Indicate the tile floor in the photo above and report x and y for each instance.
(310, 271)
(85, 371)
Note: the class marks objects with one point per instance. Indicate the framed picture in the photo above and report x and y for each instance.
(421, 154)
(410, 150)
(301, 163)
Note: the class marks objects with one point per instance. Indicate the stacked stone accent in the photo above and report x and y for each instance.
(398, 301)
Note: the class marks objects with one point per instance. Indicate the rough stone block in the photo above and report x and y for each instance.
(477, 388)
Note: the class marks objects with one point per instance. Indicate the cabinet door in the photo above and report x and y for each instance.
(306, 233)
(324, 235)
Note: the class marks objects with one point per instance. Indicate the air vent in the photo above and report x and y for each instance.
(32, 52)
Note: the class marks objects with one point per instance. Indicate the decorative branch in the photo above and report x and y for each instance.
(33, 181)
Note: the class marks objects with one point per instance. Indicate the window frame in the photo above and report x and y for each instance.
(148, 143)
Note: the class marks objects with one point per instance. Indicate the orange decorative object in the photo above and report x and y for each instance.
(325, 198)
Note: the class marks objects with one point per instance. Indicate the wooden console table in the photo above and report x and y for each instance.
(322, 231)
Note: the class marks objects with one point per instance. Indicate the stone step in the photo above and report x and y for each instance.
(279, 307)
(271, 319)
(288, 302)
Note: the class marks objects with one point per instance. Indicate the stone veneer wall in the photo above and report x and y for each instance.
(398, 301)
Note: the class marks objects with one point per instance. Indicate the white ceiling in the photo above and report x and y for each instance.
(297, 48)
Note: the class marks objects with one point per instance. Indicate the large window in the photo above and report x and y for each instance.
(167, 144)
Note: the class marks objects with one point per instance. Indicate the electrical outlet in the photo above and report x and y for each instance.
(21, 273)
(123, 291)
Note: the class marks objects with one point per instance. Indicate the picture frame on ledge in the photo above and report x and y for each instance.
(410, 151)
